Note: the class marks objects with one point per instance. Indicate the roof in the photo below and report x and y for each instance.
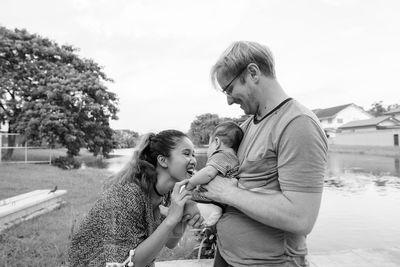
(330, 112)
(393, 111)
(365, 123)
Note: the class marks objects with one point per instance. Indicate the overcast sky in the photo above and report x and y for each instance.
(327, 52)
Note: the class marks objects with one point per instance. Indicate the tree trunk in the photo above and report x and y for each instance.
(9, 151)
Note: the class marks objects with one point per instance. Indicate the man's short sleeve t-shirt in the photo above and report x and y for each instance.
(284, 152)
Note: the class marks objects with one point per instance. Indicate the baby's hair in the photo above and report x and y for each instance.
(229, 133)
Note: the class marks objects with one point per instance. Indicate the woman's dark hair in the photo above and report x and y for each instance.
(141, 169)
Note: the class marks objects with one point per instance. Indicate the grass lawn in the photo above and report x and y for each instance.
(44, 240)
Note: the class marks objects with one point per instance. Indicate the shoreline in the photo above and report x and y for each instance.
(360, 150)
(365, 150)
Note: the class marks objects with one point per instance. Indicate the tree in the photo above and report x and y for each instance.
(393, 106)
(201, 128)
(377, 109)
(49, 93)
(125, 138)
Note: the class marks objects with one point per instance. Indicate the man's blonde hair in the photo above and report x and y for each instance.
(240, 54)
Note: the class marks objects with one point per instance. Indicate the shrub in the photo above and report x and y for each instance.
(66, 163)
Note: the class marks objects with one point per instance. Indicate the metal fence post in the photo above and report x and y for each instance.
(26, 152)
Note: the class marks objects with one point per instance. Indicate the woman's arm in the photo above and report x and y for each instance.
(191, 216)
(149, 249)
(176, 235)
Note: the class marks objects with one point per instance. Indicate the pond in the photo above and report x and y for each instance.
(360, 204)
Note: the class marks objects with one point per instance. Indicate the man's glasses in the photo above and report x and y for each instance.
(226, 90)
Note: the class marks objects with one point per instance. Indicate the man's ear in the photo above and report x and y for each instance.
(254, 71)
(217, 142)
(162, 161)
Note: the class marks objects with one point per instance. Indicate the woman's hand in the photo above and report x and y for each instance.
(179, 197)
(192, 215)
(190, 186)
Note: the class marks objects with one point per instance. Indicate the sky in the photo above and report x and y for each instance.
(159, 53)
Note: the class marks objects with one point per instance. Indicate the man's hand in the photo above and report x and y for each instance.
(291, 211)
(220, 189)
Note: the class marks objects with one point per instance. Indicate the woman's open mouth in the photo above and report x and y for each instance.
(190, 171)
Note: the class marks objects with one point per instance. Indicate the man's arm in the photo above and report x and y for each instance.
(294, 212)
(202, 176)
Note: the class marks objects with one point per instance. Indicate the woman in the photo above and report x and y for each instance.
(127, 216)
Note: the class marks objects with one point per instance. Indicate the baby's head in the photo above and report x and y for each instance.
(225, 135)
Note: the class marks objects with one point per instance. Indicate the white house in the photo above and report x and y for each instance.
(332, 118)
(395, 113)
(4, 127)
(381, 131)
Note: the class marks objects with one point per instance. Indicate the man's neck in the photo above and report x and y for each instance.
(271, 96)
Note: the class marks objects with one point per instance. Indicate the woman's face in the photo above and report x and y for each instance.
(181, 162)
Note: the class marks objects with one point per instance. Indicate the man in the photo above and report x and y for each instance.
(283, 153)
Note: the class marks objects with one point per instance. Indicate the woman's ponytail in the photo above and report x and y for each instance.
(138, 170)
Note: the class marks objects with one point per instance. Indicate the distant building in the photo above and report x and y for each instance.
(379, 131)
(332, 118)
(394, 112)
(4, 127)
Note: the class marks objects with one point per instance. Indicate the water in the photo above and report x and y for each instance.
(115, 163)
(360, 204)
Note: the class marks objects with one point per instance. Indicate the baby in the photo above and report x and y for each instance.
(222, 161)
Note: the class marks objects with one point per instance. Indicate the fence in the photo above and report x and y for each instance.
(23, 157)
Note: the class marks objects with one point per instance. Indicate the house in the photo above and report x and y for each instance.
(334, 117)
(381, 131)
(3, 131)
(4, 127)
(5, 136)
(394, 112)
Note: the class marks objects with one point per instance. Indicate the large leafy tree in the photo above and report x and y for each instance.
(49, 93)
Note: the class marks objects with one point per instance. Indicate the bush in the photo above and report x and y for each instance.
(66, 163)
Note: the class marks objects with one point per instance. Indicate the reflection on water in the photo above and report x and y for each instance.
(360, 203)
(355, 173)
(115, 163)
(376, 165)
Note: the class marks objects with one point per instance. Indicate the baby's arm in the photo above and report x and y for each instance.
(203, 176)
